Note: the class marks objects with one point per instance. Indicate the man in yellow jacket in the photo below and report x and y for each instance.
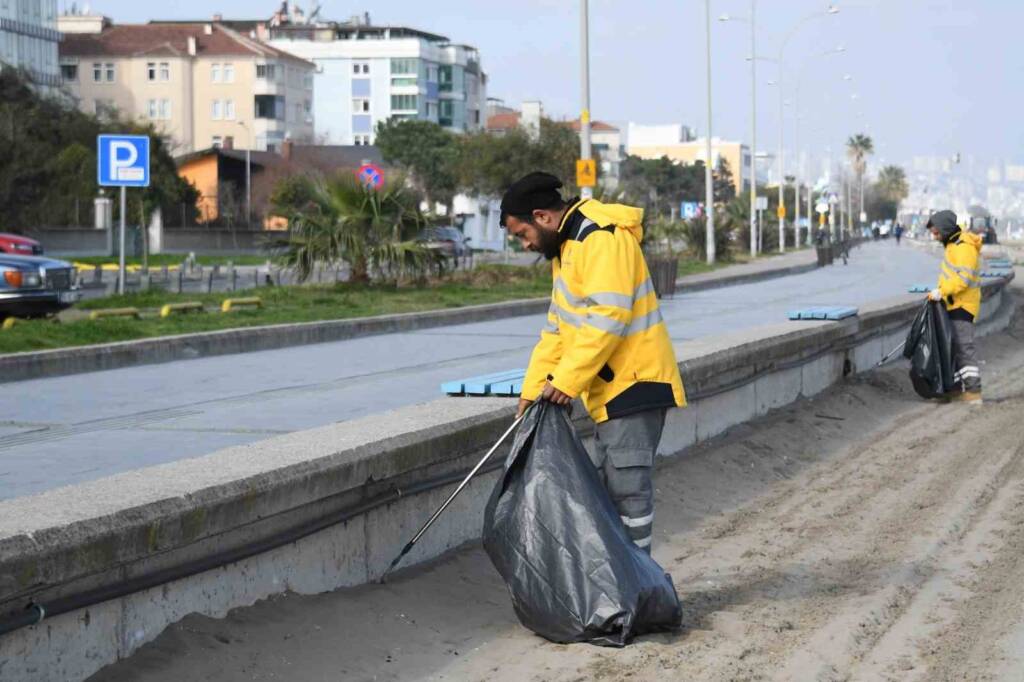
(605, 341)
(960, 289)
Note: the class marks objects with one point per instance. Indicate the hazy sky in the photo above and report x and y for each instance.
(931, 77)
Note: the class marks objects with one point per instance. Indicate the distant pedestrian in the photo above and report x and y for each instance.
(898, 231)
(960, 290)
(605, 341)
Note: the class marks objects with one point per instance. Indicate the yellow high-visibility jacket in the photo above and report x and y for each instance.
(605, 340)
(960, 280)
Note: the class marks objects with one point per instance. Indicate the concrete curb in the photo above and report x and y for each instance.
(94, 358)
(99, 534)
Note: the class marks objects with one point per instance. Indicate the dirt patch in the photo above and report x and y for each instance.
(859, 535)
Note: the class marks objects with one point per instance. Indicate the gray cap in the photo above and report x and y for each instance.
(944, 222)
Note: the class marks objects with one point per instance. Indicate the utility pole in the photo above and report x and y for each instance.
(709, 187)
(585, 151)
(753, 132)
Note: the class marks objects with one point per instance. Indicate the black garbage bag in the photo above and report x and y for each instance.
(555, 537)
(929, 348)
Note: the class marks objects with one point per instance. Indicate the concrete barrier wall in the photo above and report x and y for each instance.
(73, 241)
(104, 533)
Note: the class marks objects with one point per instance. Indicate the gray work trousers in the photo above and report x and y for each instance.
(624, 451)
(965, 358)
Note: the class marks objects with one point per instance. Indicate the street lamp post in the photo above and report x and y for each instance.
(585, 150)
(754, 122)
(796, 143)
(832, 9)
(709, 188)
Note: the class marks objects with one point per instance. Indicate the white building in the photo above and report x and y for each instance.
(367, 74)
(29, 39)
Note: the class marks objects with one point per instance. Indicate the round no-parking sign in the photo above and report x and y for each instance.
(370, 175)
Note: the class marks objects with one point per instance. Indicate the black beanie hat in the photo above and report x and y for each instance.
(537, 190)
(945, 223)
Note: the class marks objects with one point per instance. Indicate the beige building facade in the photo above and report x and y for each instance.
(198, 84)
(677, 143)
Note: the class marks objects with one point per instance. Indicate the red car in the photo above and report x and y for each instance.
(19, 246)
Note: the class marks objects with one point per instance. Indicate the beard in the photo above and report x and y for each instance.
(549, 245)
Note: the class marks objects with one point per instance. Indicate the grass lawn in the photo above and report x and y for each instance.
(487, 284)
(159, 260)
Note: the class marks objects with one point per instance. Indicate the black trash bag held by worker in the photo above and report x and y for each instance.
(556, 538)
(929, 349)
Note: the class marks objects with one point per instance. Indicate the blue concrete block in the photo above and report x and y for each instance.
(482, 385)
(823, 313)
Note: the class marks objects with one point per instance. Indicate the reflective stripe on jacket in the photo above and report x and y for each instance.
(960, 280)
(605, 340)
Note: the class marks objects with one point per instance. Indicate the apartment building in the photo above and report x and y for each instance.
(29, 40)
(606, 141)
(678, 143)
(367, 74)
(198, 83)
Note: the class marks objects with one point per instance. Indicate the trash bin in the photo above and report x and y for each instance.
(664, 270)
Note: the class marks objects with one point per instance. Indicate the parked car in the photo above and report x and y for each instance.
(15, 243)
(33, 286)
(448, 241)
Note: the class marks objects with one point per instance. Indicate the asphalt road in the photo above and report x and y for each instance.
(65, 430)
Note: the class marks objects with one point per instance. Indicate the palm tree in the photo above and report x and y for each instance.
(338, 219)
(892, 180)
(858, 147)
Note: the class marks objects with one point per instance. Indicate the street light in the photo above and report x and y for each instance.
(796, 143)
(585, 150)
(831, 10)
(709, 184)
(753, 121)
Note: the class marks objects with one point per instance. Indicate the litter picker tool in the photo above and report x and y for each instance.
(891, 353)
(465, 482)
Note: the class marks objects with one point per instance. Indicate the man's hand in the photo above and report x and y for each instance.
(935, 295)
(523, 404)
(553, 395)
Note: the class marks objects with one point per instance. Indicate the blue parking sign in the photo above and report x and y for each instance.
(689, 209)
(123, 160)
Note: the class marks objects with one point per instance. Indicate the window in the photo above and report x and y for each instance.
(109, 69)
(97, 72)
(307, 81)
(217, 142)
(360, 105)
(405, 66)
(229, 110)
(159, 109)
(270, 106)
(360, 68)
(151, 71)
(216, 112)
(229, 73)
(404, 81)
(431, 110)
(444, 78)
(215, 73)
(432, 74)
(165, 71)
(69, 72)
(403, 103)
(361, 140)
(266, 72)
(307, 106)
